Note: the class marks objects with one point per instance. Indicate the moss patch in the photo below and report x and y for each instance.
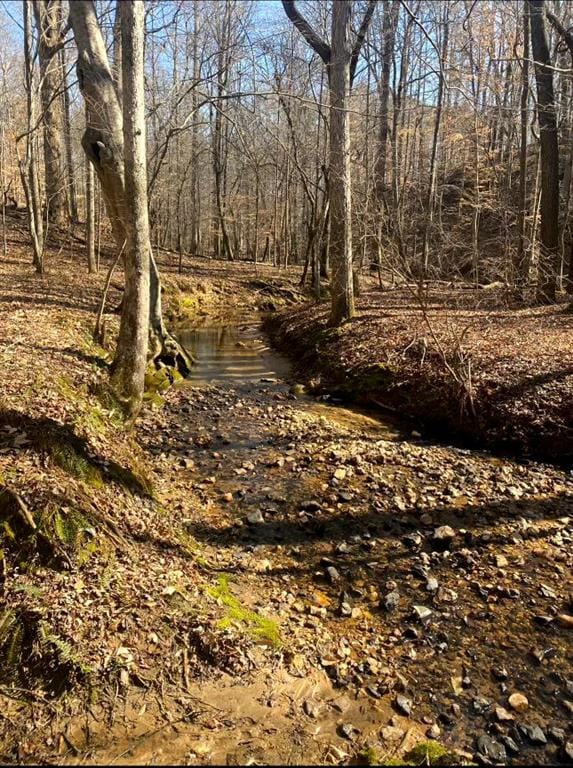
(72, 462)
(259, 627)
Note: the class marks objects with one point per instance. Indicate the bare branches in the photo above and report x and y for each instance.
(360, 38)
(309, 34)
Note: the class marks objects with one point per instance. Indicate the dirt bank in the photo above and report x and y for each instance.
(467, 368)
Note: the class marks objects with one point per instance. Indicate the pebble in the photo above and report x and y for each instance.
(256, 517)
(311, 708)
(444, 533)
(518, 702)
(432, 584)
(491, 748)
(422, 612)
(404, 705)
(534, 734)
(392, 733)
(349, 731)
(392, 600)
(565, 620)
(557, 734)
(310, 506)
(568, 751)
(502, 714)
(510, 744)
(434, 732)
(332, 575)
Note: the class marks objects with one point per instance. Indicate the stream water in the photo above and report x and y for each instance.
(237, 354)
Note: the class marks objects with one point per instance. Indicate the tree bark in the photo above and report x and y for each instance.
(29, 168)
(131, 352)
(339, 166)
(546, 112)
(49, 23)
(103, 144)
(90, 217)
(521, 269)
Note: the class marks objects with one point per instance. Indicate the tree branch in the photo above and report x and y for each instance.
(566, 34)
(311, 37)
(360, 38)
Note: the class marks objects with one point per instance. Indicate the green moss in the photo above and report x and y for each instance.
(376, 376)
(430, 753)
(254, 624)
(76, 465)
(136, 479)
(369, 756)
(65, 526)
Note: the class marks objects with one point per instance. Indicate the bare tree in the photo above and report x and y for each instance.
(546, 113)
(341, 58)
(50, 26)
(131, 352)
(103, 144)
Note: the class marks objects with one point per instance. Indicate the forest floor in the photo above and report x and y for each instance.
(253, 576)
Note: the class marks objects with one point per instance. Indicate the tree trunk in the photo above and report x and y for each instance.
(90, 217)
(71, 181)
(131, 352)
(546, 111)
(103, 144)
(391, 12)
(49, 23)
(521, 269)
(430, 202)
(29, 168)
(339, 166)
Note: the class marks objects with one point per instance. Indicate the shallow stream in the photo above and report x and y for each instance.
(237, 354)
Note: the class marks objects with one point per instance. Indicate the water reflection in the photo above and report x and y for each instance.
(234, 353)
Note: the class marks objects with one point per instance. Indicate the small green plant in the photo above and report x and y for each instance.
(258, 626)
(369, 756)
(11, 637)
(62, 648)
(429, 753)
(77, 465)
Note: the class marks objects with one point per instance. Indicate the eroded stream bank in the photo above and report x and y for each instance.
(425, 585)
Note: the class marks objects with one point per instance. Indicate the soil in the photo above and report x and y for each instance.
(252, 576)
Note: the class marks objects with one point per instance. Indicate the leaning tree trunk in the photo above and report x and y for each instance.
(49, 22)
(103, 144)
(546, 111)
(131, 352)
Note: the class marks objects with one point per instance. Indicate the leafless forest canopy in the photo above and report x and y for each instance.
(460, 134)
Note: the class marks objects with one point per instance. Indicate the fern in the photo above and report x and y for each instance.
(62, 648)
(11, 636)
(7, 621)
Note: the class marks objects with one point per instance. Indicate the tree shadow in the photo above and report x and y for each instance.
(473, 519)
(39, 301)
(76, 354)
(47, 436)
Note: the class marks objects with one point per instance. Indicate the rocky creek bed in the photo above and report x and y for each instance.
(255, 576)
